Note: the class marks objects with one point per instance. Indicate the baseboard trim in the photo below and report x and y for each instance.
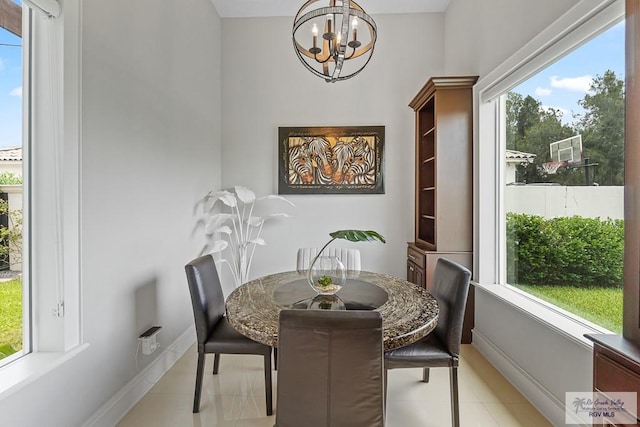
(548, 405)
(117, 407)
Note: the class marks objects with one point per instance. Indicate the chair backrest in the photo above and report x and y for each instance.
(350, 257)
(330, 368)
(206, 295)
(450, 287)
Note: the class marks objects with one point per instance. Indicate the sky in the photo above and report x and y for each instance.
(10, 89)
(564, 83)
(560, 85)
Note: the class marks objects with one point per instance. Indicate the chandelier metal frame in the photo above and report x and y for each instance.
(336, 47)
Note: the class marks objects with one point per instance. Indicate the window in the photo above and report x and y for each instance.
(574, 28)
(51, 128)
(14, 292)
(564, 179)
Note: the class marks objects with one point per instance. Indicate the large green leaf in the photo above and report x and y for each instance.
(350, 235)
(358, 235)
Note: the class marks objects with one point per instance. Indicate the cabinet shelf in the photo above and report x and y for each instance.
(429, 131)
(428, 160)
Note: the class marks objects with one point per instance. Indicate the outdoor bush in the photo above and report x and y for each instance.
(571, 251)
(10, 178)
(11, 237)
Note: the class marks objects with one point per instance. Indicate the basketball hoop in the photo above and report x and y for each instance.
(551, 168)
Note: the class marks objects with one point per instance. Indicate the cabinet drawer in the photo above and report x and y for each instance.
(611, 376)
(416, 257)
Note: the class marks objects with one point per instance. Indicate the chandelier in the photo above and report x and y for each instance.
(341, 51)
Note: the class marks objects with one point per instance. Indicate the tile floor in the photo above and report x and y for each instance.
(235, 397)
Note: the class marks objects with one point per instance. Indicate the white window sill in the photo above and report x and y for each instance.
(563, 322)
(29, 368)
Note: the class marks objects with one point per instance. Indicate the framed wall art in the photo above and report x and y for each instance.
(331, 160)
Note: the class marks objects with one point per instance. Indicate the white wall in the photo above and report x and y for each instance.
(560, 201)
(265, 86)
(480, 35)
(150, 147)
(11, 167)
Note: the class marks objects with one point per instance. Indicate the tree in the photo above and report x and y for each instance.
(602, 127)
(531, 128)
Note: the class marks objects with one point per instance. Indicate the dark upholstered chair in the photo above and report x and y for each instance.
(441, 348)
(330, 370)
(214, 333)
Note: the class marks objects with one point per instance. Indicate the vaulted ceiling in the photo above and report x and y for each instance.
(259, 8)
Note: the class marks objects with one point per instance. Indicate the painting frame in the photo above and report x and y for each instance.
(331, 160)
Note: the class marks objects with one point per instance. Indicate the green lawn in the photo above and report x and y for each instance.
(10, 317)
(602, 306)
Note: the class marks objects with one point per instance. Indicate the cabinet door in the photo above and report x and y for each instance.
(415, 274)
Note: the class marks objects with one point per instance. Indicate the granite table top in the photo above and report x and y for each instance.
(409, 312)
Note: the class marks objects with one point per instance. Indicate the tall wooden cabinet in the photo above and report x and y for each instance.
(444, 181)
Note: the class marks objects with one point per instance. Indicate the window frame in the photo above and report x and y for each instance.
(579, 25)
(52, 149)
(27, 342)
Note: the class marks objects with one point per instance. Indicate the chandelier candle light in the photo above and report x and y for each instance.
(339, 54)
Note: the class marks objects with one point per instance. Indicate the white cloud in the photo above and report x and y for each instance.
(16, 92)
(579, 84)
(541, 91)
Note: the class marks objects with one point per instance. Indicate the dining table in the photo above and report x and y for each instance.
(409, 312)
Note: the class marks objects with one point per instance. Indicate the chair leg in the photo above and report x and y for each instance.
(216, 363)
(425, 375)
(384, 395)
(267, 383)
(384, 379)
(455, 408)
(275, 358)
(199, 377)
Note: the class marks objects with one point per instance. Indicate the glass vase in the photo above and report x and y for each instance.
(327, 275)
(326, 302)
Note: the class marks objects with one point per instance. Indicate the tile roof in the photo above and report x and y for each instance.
(519, 156)
(10, 154)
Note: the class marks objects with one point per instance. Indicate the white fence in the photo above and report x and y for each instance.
(551, 201)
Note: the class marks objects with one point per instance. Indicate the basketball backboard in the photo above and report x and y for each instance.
(567, 150)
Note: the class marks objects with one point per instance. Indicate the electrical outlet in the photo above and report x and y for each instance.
(149, 345)
(148, 339)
